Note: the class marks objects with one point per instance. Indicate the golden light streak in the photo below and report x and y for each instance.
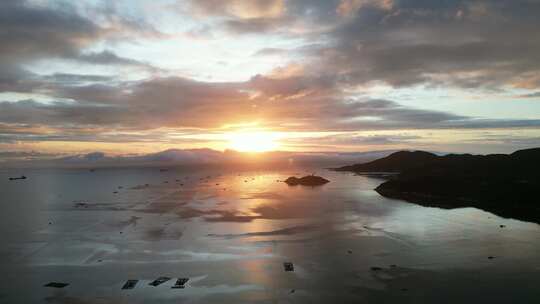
(253, 141)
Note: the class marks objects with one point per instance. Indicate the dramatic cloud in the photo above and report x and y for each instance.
(245, 9)
(31, 32)
(467, 44)
(458, 43)
(188, 104)
(185, 104)
(129, 72)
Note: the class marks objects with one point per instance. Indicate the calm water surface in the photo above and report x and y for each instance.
(230, 232)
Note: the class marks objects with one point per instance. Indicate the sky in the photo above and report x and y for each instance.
(132, 76)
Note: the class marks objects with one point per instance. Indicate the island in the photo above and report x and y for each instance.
(504, 184)
(308, 180)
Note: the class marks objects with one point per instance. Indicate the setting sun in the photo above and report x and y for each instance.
(253, 141)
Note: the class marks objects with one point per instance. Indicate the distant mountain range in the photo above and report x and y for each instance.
(507, 185)
(192, 157)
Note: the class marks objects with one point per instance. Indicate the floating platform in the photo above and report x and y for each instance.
(56, 285)
(130, 284)
(159, 281)
(180, 283)
(288, 266)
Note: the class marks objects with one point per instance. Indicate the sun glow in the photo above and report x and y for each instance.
(253, 141)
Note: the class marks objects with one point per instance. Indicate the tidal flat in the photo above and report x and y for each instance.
(230, 232)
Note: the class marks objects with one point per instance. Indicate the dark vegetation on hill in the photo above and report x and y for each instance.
(507, 185)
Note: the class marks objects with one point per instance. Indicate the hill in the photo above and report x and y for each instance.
(395, 162)
(503, 184)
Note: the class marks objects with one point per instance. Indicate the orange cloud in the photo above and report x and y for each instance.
(349, 7)
(243, 9)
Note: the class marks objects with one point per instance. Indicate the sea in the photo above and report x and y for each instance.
(229, 232)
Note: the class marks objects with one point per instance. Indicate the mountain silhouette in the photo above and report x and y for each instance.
(506, 185)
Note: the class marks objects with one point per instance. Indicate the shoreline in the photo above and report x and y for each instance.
(517, 212)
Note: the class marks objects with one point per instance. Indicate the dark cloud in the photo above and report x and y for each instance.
(108, 58)
(469, 44)
(73, 79)
(12, 133)
(460, 43)
(32, 32)
(57, 113)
